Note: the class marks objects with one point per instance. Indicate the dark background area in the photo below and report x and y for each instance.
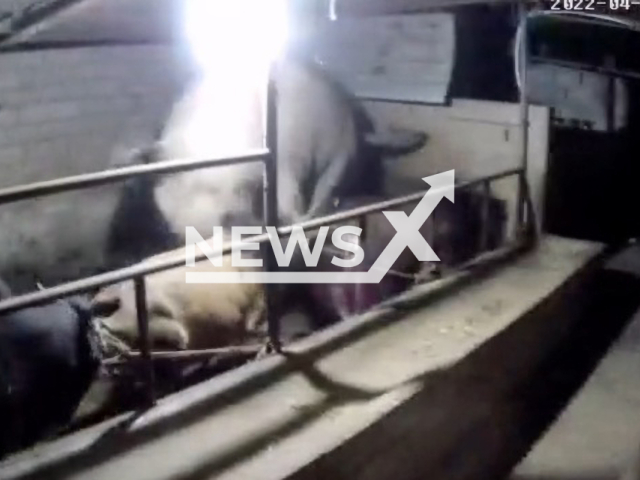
(591, 181)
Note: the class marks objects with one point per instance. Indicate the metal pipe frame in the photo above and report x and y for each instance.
(270, 204)
(78, 182)
(95, 179)
(188, 354)
(88, 284)
(604, 70)
(138, 272)
(268, 156)
(524, 114)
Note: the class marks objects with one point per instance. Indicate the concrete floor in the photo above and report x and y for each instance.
(599, 432)
(444, 389)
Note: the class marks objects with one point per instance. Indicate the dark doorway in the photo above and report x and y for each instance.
(591, 192)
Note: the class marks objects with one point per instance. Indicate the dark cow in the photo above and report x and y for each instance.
(49, 356)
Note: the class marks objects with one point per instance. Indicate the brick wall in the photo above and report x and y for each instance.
(65, 112)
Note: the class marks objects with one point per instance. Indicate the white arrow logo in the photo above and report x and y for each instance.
(407, 235)
(408, 227)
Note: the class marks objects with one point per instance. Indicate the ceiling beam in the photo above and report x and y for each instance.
(380, 7)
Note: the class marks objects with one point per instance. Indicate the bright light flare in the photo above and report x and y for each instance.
(246, 34)
(234, 42)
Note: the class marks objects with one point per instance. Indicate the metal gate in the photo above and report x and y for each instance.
(524, 235)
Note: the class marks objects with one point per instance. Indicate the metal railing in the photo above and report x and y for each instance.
(147, 268)
(96, 179)
(139, 271)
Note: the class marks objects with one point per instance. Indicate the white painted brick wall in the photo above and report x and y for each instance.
(64, 112)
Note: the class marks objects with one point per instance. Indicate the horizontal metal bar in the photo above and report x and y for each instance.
(146, 268)
(614, 72)
(395, 202)
(188, 354)
(40, 45)
(87, 180)
(368, 8)
(33, 14)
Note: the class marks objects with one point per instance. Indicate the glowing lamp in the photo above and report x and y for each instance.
(247, 34)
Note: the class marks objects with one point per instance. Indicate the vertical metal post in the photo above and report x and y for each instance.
(530, 230)
(362, 225)
(360, 289)
(524, 113)
(434, 240)
(484, 216)
(270, 196)
(143, 333)
(610, 64)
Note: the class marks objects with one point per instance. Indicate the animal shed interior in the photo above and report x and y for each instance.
(86, 108)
